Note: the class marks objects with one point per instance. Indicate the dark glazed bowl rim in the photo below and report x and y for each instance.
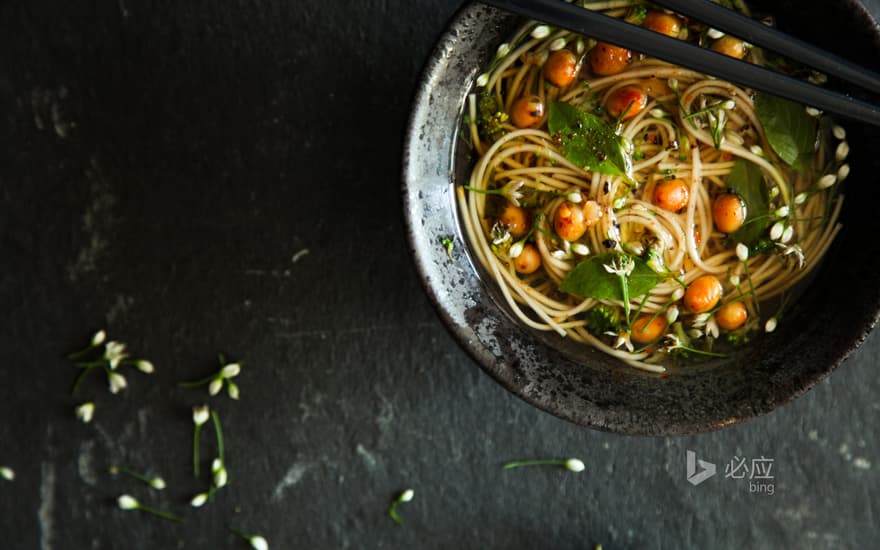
(591, 392)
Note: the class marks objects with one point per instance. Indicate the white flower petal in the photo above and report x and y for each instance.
(231, 370)
(575, 465)
(215, 386)
(259, 543)
(199, 500)
(127, 502)
(86, 412)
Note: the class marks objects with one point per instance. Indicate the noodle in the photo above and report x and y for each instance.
(683, 135)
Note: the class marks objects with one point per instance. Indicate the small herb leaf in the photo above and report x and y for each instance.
(747, 180)
(789, 129)
(590, 279)
(588, 141)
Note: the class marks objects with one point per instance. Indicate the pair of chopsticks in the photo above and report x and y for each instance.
(616, 31)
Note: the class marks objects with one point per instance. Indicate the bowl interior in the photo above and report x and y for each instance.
(829, 319)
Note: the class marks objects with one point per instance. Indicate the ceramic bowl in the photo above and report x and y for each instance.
(828, 321)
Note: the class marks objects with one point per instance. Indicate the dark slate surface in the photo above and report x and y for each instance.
(162, 165)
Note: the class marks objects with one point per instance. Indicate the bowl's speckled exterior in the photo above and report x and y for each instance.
(829, 320)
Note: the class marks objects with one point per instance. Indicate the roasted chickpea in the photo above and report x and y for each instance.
(732, 315)
(527, 112)
(528, 261)
(592, 213)
(730, 46)
(728, 212)
(561, 68)
(671, 195)
(664, 23)
(569, 221)
(646, 330)
(627, 101)
(607, 59)
(515, 220)
(703, 294)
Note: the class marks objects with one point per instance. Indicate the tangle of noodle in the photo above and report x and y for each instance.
(530, 163)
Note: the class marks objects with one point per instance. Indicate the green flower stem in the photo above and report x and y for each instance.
(219, 434)
(197, 383)
(544, 462)
(700, 352)
(624, 289)
(80, 378)
(130, 473)
(752, 288)
(87, 364)
(83, 351)
(196, 431)
(392, 511)
(160, 513)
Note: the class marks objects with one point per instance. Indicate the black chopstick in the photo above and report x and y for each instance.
(755, 32)
(608, 29)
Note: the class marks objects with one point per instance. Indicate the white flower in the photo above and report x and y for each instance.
(99, 337)
(201, 414)
(842, 172)
(559, 254)
(800, 198)
(406, 496)
(145, 366)
(842, 151)
(580, 249)
(742, 252)
(215, 386)
(678, 294)
(575, 197)
(157, 483)
(86, 412)
(714, 34)
(117, 382)
(774, 192)
(623, 340)
(734, 280)
(672, 314)
(220, 477)
(199, 500)
(787, 234)
(770, 325)
(259, 543)
(128, 502)
(838, 132)
(782, 212)
(756, 150)
(658, 113)
(826, 181)
(114, 352)
(813, 112)
(793, 250)
(673, 84)
(728, 105)
(232, 389)
(512, 191)
(712, 327)
(516, 249)
(482, 80)
(7, 473)
(557, 44)
(541, 31)
(776, 230)
(503, 50)
(695, 333)
(216, 465)
(673, 344)
(621, 266)
(574, 465)
(231, 370)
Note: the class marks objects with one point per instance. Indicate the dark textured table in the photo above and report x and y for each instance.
(224, 178)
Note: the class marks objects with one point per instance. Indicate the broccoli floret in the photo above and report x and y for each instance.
(602, 319)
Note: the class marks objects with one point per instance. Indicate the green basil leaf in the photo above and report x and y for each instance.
(747, 180)
(590, 279)
(588, 141)
(789, 129)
